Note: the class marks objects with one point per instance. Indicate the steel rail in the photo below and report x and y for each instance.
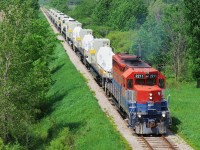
(168, 143)
(146, 142)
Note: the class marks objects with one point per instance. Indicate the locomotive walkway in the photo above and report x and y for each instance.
(103, 101)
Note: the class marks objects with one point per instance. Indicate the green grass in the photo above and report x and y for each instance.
(185, 109)
(73, 118)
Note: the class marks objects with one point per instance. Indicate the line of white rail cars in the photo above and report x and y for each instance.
(95, 53)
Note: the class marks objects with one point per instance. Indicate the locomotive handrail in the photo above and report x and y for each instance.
(168, 98)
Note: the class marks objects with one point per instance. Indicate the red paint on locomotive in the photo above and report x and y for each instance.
(134, 74)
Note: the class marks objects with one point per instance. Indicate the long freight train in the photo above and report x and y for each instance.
(136, 87)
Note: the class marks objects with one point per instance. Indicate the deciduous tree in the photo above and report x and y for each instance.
(192, 13)
(25, 52)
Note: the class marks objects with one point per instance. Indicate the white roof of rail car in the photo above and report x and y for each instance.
(65, 16)
(60, 14)
(71, 19)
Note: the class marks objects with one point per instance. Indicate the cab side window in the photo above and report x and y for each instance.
(130, 83)
(161, 83)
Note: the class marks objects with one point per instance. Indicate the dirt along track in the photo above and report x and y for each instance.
(104, 103)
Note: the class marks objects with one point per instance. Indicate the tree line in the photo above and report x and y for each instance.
(166, 31)
(25, 52)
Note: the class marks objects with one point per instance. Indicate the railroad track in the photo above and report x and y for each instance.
(150, 142)
(156, 143)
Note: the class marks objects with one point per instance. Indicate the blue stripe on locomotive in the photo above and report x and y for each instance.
(130, 106)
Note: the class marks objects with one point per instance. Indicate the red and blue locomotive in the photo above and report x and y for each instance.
(136, 87)
(138, 90)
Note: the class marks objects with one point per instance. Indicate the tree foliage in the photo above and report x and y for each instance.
(120, 44)
(193, 15)
(25, 78)
(58, 4)
(163, 38)
(126, 15)
(159, 27)
(120, 15)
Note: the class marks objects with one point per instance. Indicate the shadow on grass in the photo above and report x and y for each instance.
(56, 128)
(54, 70)
(47, 106)
(175, 123)
(55, 132)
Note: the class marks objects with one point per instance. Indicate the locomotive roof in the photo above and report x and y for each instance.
(131, 61)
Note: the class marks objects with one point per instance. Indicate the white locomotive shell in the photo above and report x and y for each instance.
(78, 35)
(104, 58)
(87, 42)
(70, 25)
(53, 15)
(104, 61)
(57, 18)
(63, 20)
(94, 47)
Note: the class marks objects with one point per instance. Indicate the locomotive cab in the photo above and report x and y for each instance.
(139, 91)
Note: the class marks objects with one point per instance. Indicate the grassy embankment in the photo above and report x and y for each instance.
(73, 118)
(185, 109)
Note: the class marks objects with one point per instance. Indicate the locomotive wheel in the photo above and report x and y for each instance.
(107, 93)
(73, 48)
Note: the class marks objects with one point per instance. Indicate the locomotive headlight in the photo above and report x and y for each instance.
(150, 94)
(163, 114)
(139, 115)
(150, 98)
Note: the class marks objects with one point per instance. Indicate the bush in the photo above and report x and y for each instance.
(64, 140)
(121, 41)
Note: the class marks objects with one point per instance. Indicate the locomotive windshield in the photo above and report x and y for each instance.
(149, 82)
(140, 82)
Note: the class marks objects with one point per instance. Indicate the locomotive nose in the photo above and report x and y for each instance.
(148, 93)
(155, 95)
